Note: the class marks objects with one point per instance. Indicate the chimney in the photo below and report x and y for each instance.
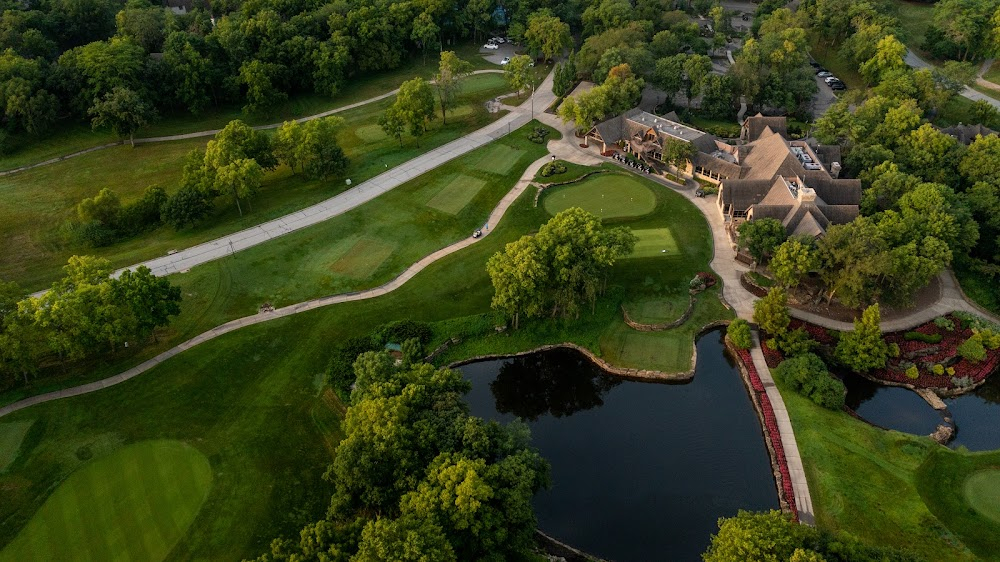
(835, 170)
(806, 194)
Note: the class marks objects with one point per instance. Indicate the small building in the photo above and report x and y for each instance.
(966, 134)
(644, 135)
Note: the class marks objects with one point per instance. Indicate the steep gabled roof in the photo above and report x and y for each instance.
(834, 191)
(778, 194)
(742, 194)
(754, 127)
(770, 157)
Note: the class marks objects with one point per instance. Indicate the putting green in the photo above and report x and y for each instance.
(982, 491)
(363, 258)
(654, 242)
(11, 435)
(134, 504)
(608, 196)
(454, 196)
(498, 159)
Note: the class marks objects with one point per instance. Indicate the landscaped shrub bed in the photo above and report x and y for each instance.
(772, 356)
(931, 349)
(771, 431)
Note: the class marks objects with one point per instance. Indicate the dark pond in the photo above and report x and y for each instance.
(640, 471)
(891, 407)
(977, 416)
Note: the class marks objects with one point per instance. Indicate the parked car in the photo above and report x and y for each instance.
(491, 46)
(815, 65)
(505, 60)
(838, 86)
(831, 79)
(824, 73)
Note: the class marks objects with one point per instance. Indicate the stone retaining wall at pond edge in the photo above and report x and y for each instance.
(768, 422)
(659, 327)
(543, 186)
(562, 551)
(634, 374)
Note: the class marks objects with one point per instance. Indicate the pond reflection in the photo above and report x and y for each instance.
(640, 471)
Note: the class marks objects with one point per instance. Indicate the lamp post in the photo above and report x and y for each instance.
(532, 99)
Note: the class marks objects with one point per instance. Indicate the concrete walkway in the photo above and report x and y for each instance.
(233, 325)
(967, 92)
(213, 132)
(796, 471)
(350, 199)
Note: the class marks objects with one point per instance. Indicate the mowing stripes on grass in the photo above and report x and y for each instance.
(453, 197)
(363, 258)
(982, 491)
(608, 196)
(134, 504)
(11, 435)
(499, 159)
(652, 243)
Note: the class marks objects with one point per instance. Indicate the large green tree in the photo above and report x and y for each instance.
(771, 312)
(761, 237)
(547, 36)
(123, 111)
(864, 348)
(448, 80)
(558, 269)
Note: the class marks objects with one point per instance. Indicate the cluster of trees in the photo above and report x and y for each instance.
(418, 478)
(84, 314)
(234, 162)
(559, 269)
(65, 58)
(964, 29)
(929, 202)
(774, 537)
(103, 220)
(621, 91)
(668, 51)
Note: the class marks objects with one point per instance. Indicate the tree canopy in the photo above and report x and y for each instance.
(558, 269)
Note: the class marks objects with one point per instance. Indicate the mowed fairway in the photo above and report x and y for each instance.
(499, 159)
(609, 196)
(11, 435)
(134, 504)
(456, 195)
(654, 242)
(982, 491)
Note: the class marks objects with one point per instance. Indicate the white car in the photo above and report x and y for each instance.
(505, 60)
(497, 40)
(831, 79)
(824, 74)
(491, 46)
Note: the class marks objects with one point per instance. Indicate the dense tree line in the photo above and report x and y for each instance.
(63, 58)
(85, 314)
(418, 478)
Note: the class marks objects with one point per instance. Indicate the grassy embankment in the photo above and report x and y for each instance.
(892, 488)
(35, 203)
(70, 137)
(253, 401)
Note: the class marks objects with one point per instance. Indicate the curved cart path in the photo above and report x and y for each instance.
(233, 325)
(213, 132)
(350, 199)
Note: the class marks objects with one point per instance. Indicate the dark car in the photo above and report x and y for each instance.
(838, 86)
(814, 64)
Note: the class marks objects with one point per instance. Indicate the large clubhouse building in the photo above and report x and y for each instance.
(767, 175)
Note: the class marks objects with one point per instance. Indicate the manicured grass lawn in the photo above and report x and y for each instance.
(982, 491)
(250, 401)
(319, 260)
(72, 136)
(887, 487)
(979, 289)
(498, 159)
(945, 479)
(456, 195)
(915, 18)
(35, 203)
(133, 504)
(993, 74)
(609, 196)
(654, 243)
(573, 171)
(11, 436)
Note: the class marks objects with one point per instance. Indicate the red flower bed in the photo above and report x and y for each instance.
(942, 352)
(771, 431)
(772, 356)
(707, 278)
(815, 332)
